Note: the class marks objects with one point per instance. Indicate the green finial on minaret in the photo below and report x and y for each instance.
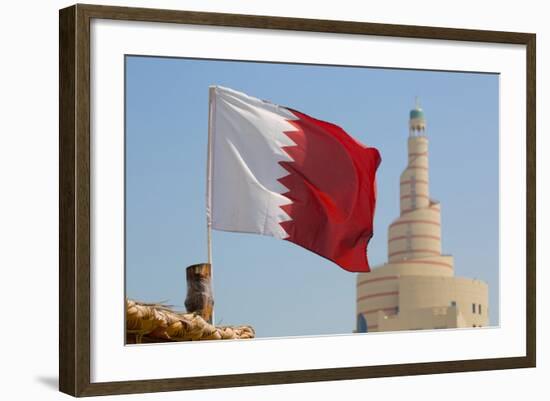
(417, 121)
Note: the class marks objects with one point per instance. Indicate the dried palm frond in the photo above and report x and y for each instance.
(159, 323)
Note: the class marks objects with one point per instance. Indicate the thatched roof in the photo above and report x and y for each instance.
(147, 323)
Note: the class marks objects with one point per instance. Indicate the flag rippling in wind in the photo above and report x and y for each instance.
(279, 172)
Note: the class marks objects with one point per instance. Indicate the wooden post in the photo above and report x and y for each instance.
(199, 290)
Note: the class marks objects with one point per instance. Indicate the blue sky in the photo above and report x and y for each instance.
(280, 288)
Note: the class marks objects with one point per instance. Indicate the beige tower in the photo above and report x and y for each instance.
(416, 288)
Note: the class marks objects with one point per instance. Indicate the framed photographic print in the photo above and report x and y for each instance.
(250, 200)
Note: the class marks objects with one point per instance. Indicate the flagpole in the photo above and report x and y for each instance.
(211, 105)
(209, 173)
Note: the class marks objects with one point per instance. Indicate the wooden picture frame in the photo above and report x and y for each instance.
(74, 199)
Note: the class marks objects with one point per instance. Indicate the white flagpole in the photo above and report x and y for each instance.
(211, 105)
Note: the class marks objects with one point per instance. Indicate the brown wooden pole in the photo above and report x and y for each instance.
(199, 297)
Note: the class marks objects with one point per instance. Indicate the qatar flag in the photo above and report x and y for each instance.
(279, 172)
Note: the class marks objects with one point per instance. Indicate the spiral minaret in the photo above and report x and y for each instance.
(416, 288)
(416, 234)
